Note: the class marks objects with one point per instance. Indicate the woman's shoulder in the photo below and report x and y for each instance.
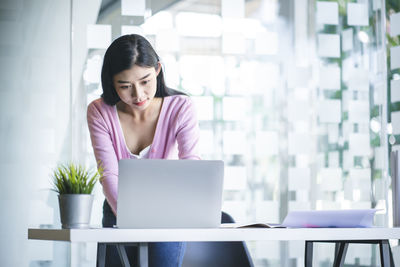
(98, 107)
(99, 104)
(180, 107)
(176, 101)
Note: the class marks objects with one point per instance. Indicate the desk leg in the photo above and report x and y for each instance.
(101, 255)
(143, 255)
(122, 255)
(340, 253)
(308, 257)
(385, 253)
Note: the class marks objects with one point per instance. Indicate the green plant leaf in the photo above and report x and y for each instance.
(74, 179)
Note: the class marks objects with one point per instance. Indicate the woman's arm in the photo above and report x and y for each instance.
(188, 132)
(104, 153)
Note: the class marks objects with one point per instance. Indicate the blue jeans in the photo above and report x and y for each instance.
(161, 254)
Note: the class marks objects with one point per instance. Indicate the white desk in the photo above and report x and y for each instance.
(341, 236)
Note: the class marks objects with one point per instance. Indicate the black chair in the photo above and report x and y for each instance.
(217, 254)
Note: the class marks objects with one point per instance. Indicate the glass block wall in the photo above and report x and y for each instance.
(393, 71)
(392, 33)
(292, 95)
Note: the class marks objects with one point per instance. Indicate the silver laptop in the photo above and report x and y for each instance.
(155, 193)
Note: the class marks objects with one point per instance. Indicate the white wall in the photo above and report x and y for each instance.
(34, 124)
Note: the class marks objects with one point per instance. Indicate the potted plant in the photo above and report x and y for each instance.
(75, 184)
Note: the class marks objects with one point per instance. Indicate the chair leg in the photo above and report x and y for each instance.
(101, 255)
(385, 252)
(308, 257)
(122, 255)
(340, 253)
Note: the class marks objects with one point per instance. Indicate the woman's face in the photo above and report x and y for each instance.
(137, 86)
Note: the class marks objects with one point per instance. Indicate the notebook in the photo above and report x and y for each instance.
(157, 193)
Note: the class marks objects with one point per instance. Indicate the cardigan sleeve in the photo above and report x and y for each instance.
(188, 132)
(104, 153)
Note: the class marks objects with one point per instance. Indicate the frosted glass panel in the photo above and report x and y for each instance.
(330, 179)
(357, 14)
(232, 8)
(233, 43)
(395, 118)
(329, 111)
(360, 174)
(160, 21)
(296, 249)
(98, 36)
(299, 205)
(133, 7)
(299, 143)
(270, 246)
(395, 57)
(333, 159)
(395, 24)
(167, 40)
(395, 90)
(267, 211)
(171, 70)
(267, 143)
(195, 68)
(327, 12)
(128, 29)
(235, 178)
(359, 111)
(298, 77)
(347, 39)
(206, 142)
(376, 4)
(359, 80)
(266, 43)
(329, 45)
(40, 251)
(298, 110)
(92, 73)
(237, 209)
(233, 108)
(197, 24)
(329, 78)
(299, 179)
(333, 133)
(359, 144)
(234, 142)
(204, 107)
(379, 154)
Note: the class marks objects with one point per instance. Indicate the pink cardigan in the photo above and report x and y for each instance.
(177, 134)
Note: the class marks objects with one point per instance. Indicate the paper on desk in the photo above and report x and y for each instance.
(330, 218)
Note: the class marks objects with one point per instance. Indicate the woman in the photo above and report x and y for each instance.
(136, 117)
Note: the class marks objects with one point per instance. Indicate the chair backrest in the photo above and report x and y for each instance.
(217, 254)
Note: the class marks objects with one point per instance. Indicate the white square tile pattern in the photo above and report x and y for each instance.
(357, 14)
(327, 12)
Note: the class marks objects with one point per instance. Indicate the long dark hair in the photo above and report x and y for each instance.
(122, 54)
